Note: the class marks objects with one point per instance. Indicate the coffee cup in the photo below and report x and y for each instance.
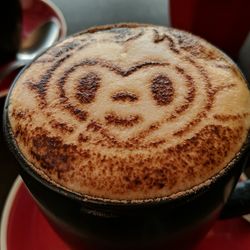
(10, 25)
(126, 137)
(228, 16)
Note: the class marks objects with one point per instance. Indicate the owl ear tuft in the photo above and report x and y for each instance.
(123, 35)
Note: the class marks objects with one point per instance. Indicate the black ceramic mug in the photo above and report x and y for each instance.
(10, 29)
(163, 223)
(172, 222)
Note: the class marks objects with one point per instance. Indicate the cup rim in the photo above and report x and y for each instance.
(181, 195)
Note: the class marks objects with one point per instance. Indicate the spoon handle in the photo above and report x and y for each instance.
(10, 68)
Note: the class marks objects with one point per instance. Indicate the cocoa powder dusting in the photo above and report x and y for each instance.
(135, 172)
(162, 90)
(87, 87)
(51, 152)
(112, 119)
(125, 96)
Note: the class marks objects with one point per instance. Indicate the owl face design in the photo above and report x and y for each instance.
(145, 87)
(130, 112)
(121, 100)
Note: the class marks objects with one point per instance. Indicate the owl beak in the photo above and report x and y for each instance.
(124, 96)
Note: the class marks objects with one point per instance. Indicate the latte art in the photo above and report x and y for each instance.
(130, 112)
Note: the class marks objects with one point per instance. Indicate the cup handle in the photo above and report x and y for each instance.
(239, 202)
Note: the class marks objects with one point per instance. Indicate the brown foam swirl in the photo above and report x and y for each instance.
(130, 112)
(124, 96)
(114, 119)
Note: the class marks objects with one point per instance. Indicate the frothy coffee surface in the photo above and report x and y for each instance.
(130, 112)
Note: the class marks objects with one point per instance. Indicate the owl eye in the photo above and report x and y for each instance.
(87, 87)
(162, 90)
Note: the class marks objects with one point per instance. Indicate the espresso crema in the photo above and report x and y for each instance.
(130, 112)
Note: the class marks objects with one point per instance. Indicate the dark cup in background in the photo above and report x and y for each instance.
(10, 29)
(224, 23)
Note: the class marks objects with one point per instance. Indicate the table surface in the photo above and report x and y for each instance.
(80, 14)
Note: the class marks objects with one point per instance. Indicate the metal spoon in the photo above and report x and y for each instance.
(40, 39)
